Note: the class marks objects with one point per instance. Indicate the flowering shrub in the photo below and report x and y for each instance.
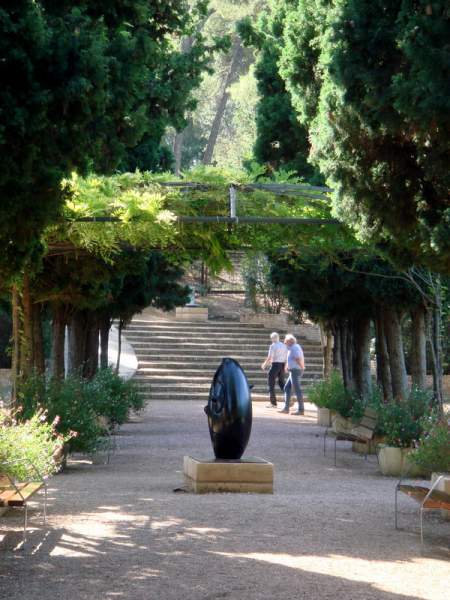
(32, 442)
(433, 448)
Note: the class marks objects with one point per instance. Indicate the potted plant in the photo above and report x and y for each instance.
(432, 454)
(402, 426)
(319, 395)
(333, 401)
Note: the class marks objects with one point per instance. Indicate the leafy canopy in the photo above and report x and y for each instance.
(81, 84)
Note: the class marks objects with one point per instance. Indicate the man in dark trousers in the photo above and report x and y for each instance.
(276, 358)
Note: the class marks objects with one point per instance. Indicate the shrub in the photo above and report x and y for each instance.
(433, 449)
(72, 402)
(402, 424)
(77, 404)
(114, 397)
(331, 393)
(32, 442)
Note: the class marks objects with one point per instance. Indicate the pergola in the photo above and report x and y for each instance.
(311, 192)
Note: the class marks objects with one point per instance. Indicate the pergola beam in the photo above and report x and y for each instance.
(257, 220)
(312, 192)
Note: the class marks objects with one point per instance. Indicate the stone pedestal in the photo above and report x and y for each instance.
(253, 475)
(191, 313)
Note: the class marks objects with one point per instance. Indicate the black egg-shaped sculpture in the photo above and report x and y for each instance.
(229, 411)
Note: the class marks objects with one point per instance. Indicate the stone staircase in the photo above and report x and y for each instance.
(177, 360)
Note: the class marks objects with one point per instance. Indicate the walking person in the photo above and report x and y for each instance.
(295, 366)
(276, 358)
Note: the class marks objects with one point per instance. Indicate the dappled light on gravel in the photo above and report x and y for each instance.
(381, 574)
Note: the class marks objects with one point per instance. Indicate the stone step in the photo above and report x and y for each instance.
(203, 343)
(200, 325)
(189, 368)
(175, 334)
(189, 354)
(185, 396)
(201, 387)
(178, 359)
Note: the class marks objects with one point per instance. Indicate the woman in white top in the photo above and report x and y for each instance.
(276, 358)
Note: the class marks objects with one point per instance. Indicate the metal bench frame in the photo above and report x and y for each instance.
(361, 432)
(19, 488)
(443, 502)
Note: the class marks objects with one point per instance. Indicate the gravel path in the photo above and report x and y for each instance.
(120, 532)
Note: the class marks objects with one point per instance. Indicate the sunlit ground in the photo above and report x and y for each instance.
(119, 531)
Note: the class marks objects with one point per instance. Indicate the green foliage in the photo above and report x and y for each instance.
(402, 424)
(255, 273)
(331, 393)
(236, 133)
(114, 397)
(281, 141)
(368, 81)
(82, 83)
(31, 442)
(348, 284)
(142, 280)
(432, 453)
(75, 405)
(71, 403)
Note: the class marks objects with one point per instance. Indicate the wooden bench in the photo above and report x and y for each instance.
(429, 498)
(16, 494)
(361, 432)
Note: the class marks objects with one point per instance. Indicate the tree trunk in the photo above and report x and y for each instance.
(178, 151)
(363, 376)
(38, 340)
(236, 60)
(418, 348)
(435, 344)
(90, 362)
(327, 347)
(26, 350)
(394, 340)
(15, 358)
(105, 326)
(58, 340)
(77, 342)
(346, 354)
(337, 361)
(383, 368)
(119, 345)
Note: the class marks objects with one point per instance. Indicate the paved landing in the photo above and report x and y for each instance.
(120, 532)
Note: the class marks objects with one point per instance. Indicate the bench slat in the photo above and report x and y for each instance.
(10, 497)
(362, 432)
(437, 498)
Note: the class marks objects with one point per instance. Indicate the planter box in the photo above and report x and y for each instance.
(191, 313)
(443, 486)
(267, 320)
(324, 417)
(394, 462)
